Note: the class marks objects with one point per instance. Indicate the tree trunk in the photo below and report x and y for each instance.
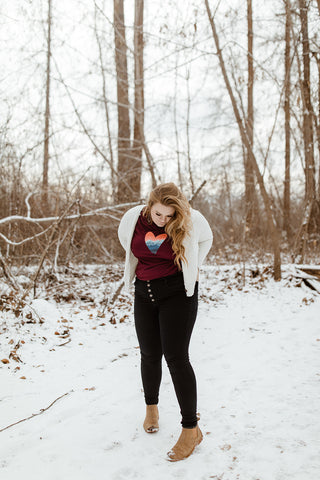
(272, 227)
(124, 192)
(310, 189)
(106, 107)
(287, 93)
(188, 132)
(317, 120)
(250, 203)
(318, 124)
(45, 175)
(137, 146)
(180, 176)
(311, 220)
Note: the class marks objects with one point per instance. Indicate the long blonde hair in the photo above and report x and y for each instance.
(179, 225)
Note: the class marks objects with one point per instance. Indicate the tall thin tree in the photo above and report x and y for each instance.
(105, 103)
(243, 134)
(250, 203)
(138, 136)
(45, 175)
(310, 186)
(124, 192)
(287, 93)
(311, 215)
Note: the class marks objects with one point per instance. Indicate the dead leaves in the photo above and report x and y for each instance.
(307, 301)
(122, 355)
(11, 302)
(113, 319)
(14, 356)
(225, 447)
(63, 334)
(13, 353)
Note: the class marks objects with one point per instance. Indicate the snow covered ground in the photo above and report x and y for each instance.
(255, 350)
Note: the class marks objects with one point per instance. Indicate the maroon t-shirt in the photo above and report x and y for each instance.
(152, 247)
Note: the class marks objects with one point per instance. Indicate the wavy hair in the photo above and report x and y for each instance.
(179, 225)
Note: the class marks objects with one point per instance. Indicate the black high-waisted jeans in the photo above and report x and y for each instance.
(164, 320)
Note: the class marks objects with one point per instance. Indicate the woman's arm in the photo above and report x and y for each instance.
(127, 224)
(123, 230)
(205, 237)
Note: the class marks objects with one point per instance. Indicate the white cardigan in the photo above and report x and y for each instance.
(197, 244)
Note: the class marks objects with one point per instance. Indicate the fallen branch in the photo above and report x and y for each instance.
(113, 299)
(35, 414)
(91, 213)
(65, 343)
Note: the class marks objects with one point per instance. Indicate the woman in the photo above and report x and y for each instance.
(165, 242)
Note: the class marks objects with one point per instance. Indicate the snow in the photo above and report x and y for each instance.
(255, 350)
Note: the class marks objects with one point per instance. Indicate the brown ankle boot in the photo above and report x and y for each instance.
(188, 440)
(151, 424)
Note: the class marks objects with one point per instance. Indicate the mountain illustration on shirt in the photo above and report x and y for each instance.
(154, 242)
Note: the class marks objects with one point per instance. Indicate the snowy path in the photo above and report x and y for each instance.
(256, 356)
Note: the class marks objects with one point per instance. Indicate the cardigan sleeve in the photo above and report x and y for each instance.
(205, 238)
(204, 248)
(123, 229)
(127, 224)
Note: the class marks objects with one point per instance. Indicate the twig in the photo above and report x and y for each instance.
(115, 296)
(44, 254)
(7, 273)
(65, 343)
(197, 192)
(117, 293)
(35, 414)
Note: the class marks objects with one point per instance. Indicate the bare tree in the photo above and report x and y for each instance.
(47, 115)
(124, 148)
(271, 222)
(188, 132)
(311, 217)
(175, 96)
(251, 204)
(310, 186)
(317, 119)
(287, 93)
(105, 103)
(137, 145)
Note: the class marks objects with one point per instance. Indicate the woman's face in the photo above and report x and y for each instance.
(161, 214)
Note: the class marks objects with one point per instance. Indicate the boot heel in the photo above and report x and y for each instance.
(151, 422)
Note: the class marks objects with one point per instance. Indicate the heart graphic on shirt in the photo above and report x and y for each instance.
(154, 243)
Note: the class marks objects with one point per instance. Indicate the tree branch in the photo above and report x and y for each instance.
(35, 414)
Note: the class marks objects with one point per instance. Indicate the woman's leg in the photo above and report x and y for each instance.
(146, 317)
(177, 316)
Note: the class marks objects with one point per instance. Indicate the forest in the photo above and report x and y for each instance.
(101, 101)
